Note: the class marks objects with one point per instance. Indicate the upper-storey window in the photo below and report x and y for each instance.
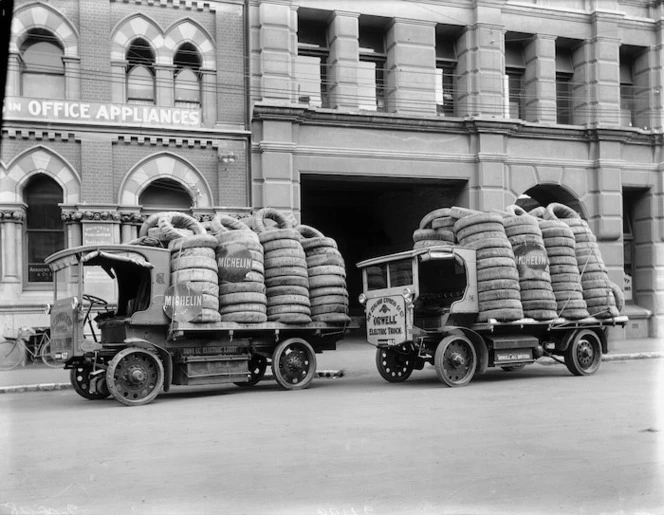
(43, 73)
(515, 68)
(140, 73)
(564, 89)
(446, 73)
(371, 75)
(313, 54)
(44, 226)
(187, 63)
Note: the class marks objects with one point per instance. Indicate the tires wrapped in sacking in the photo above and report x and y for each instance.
(565, 277)
(326, 271)
(242, 299)
(286, 277)
(603, 298)
(497, 275)
(525, 236)
(193, 265)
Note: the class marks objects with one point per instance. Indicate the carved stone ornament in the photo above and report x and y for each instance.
(12, 215)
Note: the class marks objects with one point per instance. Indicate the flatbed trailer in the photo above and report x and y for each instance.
(422, 307)
(134, 348)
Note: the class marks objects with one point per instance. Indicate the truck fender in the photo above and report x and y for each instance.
(572, 334)
(478, 342)
(162, 353)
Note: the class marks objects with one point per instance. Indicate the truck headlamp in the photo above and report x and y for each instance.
(362, 299)
(408, 295)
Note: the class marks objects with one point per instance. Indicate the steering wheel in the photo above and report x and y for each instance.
(94, 300)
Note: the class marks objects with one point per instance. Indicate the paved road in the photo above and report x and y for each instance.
(535, 441)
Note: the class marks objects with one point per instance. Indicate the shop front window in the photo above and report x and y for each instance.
(45, 231)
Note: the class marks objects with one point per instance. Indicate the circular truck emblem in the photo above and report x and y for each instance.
(530, 257)
(182, 303)
(233, 262)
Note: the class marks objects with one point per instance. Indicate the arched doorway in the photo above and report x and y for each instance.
(545, 194)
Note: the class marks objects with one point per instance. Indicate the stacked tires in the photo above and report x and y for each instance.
(326, 271)
(286, 277)
(497, 275)
(524, 234)
(602, 297)
(241, 299)
(436, 228)
(194, 268)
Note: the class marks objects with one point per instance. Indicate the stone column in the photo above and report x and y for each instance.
(13, 88)
(344, 60)
(604, 73)
(276, 30)
(208, 97)
(540, 79)
(411, 67)
(11, 238)
(131, 222)
(482, 64)
(72, 77)
(657, 75)
(119, 82)
(164, 84)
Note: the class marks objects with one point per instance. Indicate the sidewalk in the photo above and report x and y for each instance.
(352, 355)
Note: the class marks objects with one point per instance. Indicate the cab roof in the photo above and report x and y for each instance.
(438, 252)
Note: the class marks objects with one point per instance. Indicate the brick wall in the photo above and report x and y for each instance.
(65, 146)
(94, 50)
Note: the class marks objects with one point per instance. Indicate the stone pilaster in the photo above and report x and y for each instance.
(657, 74)
(164, 84)
(209, 97)
(277, 26)
(12, 217)
(13, 87)
(119, 82)
(72, 77)
(603, 76)
(411, 67)
(540, 79)
(344, 60)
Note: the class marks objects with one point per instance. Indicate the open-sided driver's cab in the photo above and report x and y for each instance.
(101, 293)
(422, 288)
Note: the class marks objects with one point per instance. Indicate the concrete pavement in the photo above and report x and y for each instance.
(353, 356)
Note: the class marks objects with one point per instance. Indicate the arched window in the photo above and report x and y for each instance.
(45, 230)
(187, 76)
(165, 195)
(140, 73)
(43, 72)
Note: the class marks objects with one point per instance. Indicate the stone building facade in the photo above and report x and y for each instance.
(114, 110)
(367, 115)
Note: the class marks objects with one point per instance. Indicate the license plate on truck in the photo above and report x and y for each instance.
(503, 356)
(386, 320)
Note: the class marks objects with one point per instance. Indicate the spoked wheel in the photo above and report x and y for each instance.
(135, 376)
(89, 387)
(513, 368)
(455, 360)
(257, 367)
(46, 356)
(294, 364)
(395, 364)
(583, 355)
(12, 354)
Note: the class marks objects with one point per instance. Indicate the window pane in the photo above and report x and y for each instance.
(307, 74)
(41, 56)
(39, 85)
(140, 84)
(366, 82)
(165, 194)
(187, 87)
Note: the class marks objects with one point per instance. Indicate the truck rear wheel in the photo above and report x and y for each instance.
(135, 376)
(294, 364)
(455, 360)
(395, 364)
(583, 355)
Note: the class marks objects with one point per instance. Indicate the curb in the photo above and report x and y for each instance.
(610, 357)
(49, 387)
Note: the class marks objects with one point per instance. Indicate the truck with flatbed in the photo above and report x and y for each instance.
(143, 341)
(421, 306)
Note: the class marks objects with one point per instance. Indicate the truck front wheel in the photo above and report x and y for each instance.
(395, 364)
(92, 387)
(583, 355)
(294, 364)
(455, 360)
(135, 376)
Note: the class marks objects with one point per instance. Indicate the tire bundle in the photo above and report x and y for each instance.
(326, 270)
(286, 277)
(524, 234)
(244, 300)
(565, 277)
(603, 298)
(170, 225)
(193, 264)
(436, 228)
(497, 274)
